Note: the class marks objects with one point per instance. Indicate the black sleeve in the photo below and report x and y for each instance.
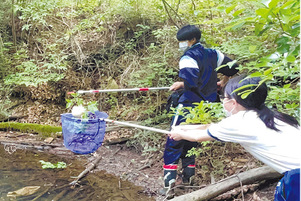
(226, 70)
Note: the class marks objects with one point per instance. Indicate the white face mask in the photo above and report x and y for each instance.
(183, 46)
(228, 113)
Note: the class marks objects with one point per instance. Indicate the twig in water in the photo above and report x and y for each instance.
(90, 167)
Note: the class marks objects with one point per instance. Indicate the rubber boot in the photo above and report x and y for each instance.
(188, 172)
(170, 174)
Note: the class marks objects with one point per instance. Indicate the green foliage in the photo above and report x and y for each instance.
(27, 68)
(5, 13)
(202, 113)
(138, 35)
(35, 13)
(5, 62)
(204, 150)
(268, 49)
(250, 47)
(290, 105)
(156, 70)
(211, 152)
(195, 152)
(132, 9)
(276, 25)
(148, 142)
(112, 101)
(5, 103)
(77, 100)
(49, 165)
(31, 74)
(43, 130)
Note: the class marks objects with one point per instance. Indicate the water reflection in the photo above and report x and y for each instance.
(21, 168)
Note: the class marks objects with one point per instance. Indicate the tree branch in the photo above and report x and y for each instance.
(248, 177)
(167, 5)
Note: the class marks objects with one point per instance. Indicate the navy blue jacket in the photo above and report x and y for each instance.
(198, 71)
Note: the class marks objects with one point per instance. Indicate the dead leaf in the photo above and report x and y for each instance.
(28, 190)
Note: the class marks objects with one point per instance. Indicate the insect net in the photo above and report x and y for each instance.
(83, 136)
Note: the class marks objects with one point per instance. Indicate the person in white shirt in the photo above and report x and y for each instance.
(270, 136)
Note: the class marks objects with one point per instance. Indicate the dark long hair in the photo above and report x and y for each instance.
(256, 100)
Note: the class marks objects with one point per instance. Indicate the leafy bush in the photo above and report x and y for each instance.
(202, 113)
(31, 74)
(278, 23)
(35, 13)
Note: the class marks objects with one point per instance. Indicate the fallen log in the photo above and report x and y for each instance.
(12, 118)
(244, 178)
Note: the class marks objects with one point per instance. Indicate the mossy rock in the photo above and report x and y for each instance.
(43, 130)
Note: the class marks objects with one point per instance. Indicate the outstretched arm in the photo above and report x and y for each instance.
(191, 133)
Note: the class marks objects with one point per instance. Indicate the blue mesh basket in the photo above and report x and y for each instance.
(83, 136)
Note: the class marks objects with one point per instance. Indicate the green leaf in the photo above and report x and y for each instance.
(245, 95)
(290, 58)
(295, 31)
(244, 87)
(69, 104)
(252, 48)
(238, 12)
(273, 3)
(268, 71)
(263, 12)
(256, 74)
(289, 3)
(229, 9)
(293, 18)
(286, 86)
(267, 78)
(236, 25)
(258, 28)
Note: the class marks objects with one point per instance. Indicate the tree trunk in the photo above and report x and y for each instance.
(13, 24)
(248, 177)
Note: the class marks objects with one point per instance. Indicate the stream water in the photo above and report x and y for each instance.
(20, 169)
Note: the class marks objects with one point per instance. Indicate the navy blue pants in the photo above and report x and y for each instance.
(176, 150)
(288, 188)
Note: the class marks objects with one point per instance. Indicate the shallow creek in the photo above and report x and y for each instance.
(22, 169)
